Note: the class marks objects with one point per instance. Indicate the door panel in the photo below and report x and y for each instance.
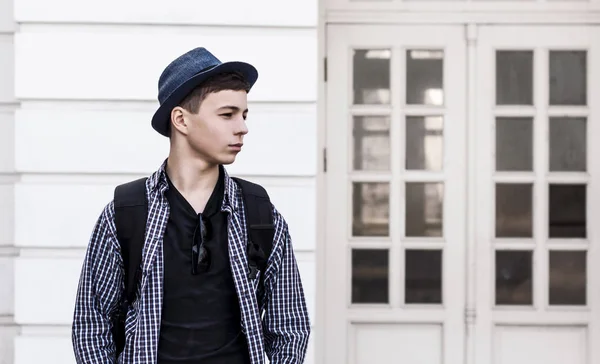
(395, 234)
(537, 284)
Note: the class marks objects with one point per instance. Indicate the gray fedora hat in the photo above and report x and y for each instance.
(184, 74)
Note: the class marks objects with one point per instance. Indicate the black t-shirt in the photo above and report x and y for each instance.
(201, 320)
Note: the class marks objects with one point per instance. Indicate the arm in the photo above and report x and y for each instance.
(286, 321)
(97, 295)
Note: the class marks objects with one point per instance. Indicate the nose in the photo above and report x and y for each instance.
(241, 127)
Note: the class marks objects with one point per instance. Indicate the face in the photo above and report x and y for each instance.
(216, 133)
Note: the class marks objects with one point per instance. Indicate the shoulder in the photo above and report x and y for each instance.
(106, 220)
(279, 220)
(243, 189)
(282, 240)
(103, 243)
(107, 217)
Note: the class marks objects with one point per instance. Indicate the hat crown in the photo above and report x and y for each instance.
(183, 68)
(187, 72)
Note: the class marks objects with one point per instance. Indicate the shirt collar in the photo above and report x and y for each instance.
(158, 181)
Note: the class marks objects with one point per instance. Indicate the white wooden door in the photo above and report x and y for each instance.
(411, 192)
(395, 229)
(538, 195)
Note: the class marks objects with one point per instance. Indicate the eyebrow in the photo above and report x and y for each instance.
(233, 108)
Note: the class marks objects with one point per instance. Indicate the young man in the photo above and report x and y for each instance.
(199, 299)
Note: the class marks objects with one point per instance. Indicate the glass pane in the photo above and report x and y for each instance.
(424, 142)
(514, 278)
(372, 76)
(371, 143)
(371, 207)
(568, 144)
(568, 78)
(514, 210)
(424, 209)
(425, 77)
(370, 276)
(567, 211)
(514, 77)
(568, 277)
(514, 144)
(423, 276)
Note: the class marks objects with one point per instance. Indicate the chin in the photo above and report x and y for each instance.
(227, 160)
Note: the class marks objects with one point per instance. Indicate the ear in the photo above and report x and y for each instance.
(178, 120)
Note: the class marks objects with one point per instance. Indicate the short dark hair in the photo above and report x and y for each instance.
(223, 81)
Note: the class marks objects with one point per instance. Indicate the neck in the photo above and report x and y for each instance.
(192, 176)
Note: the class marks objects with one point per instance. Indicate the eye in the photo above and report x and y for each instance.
(227, 115)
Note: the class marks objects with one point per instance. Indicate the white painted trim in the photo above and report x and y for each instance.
(533, 318)
(7, 320)
(7, 22)
(160, 24)
(471, 6)
(112, 178)
(174, 29)
(593, 196)
(452, 13)
(540, 188)
(8, 107)
(471, 194)
(337, 86)
(397, 259)
(541, 6)
(9, 251)
(483, 205)
(58, 252)
(140, 105)
(319, 321)
(7, 70)
(9, 178)
(381, 315)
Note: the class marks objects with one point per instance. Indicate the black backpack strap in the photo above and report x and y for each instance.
(131, 211)
(259, 225)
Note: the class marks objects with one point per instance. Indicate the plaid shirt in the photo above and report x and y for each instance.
(282, 333)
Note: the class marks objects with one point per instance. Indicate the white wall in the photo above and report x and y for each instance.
(8, 329)
(86, 77)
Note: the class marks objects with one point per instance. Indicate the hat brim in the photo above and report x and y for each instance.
(162, 117)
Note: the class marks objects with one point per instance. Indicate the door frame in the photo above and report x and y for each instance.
(472, 113)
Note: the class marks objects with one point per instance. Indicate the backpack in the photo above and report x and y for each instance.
(131, 213)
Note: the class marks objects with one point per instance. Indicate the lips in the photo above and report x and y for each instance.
(236, 147)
